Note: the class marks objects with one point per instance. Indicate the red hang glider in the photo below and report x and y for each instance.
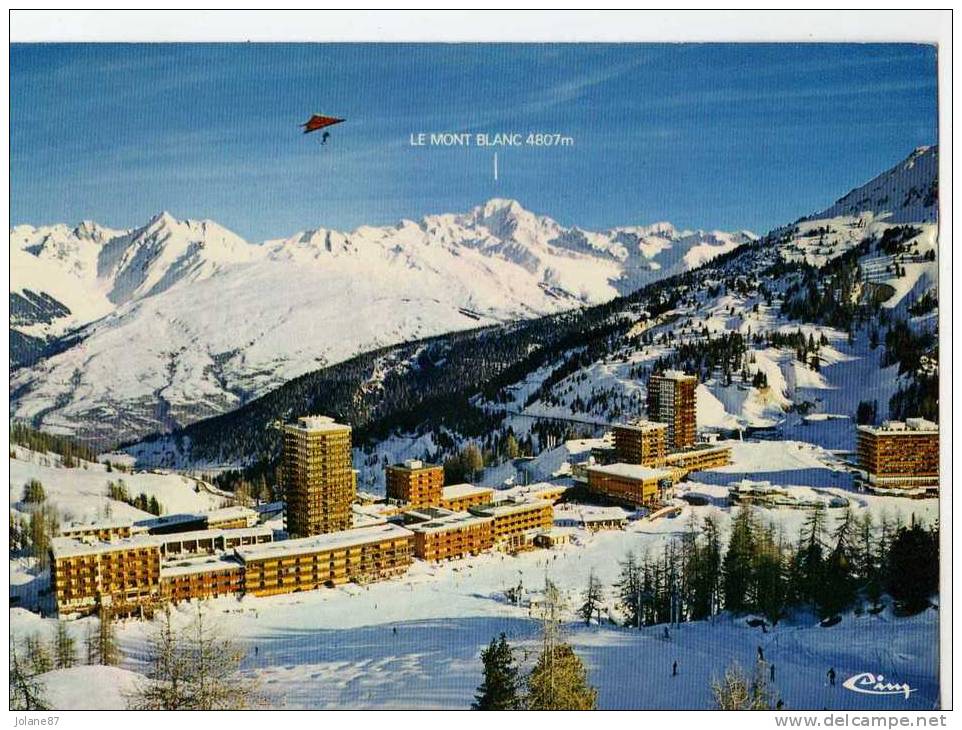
(319, 121)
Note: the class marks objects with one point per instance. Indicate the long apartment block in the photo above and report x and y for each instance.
(360, 555)
(123, 574)
(515, 523)
(633, 484)
(440, 534)
(208, 576)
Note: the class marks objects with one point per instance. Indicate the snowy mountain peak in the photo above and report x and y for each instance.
(907, 193)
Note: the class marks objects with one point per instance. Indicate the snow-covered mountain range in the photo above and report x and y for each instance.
(799, 331)
(125, 332)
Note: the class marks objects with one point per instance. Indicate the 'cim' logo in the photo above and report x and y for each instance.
(874, 684)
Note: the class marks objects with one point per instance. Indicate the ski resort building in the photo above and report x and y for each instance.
(633, 484)
(212, 541)
(104, 530)
(225, 518)
(415, 483)
(698, 458)
(641, 442)
(360, 555)
(123, 575)
(899, 455)
(452, 535)
(671, 400)
(318, 479)
(460, 497)
(231, 518)
(201, 577)
(516, 522)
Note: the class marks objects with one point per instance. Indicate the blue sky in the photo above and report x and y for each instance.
(707, 136)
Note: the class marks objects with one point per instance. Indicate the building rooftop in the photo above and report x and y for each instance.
(509, 507)
(316, 424)
(642, 426)
(68, 547)
(675, 375)
(205, 564)
(450, 521)
(589, 513)
(457, 491)
(321, 543)
(909, 425)
(535, 490)
(116, 523)
(242, 532)
(631, 471)
(234, 512)
(414, 465)
(174, 519)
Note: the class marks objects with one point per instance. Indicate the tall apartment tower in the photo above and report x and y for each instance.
(641, 442)
(415, 482)
(671, 400)
(319, 481)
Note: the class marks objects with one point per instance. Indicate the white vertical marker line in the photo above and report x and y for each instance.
(495, 165)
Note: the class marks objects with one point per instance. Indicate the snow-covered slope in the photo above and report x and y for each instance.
(906, 193)
(179, 320)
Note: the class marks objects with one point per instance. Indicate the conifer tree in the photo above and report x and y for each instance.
(102, 645)
(37, 656)
(809, 560)
(737, 565)
(593, 596)
(838, 585)
(499, 690)
(26, 691)
(559, 680)
(706, 570)
(629, 591)
(769, 591)
(65, 647)
(44, 525)
(913, 567)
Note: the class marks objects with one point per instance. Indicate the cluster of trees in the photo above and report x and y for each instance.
(70, 450)
(464, 466)
(737, 690)
(118, 490)
(867, 413)
(905, 346)
(193, 668)
(557, 681)
(894, 240)
(925, 304)
(30, 534)
(723, 354)
(920, 397)
(829, 568)
(33, 492)
(248, 486)
(36, 656)
(827, 294)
